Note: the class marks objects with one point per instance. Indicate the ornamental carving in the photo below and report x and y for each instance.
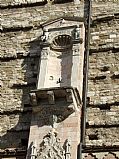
(52, 149)
(61, 42)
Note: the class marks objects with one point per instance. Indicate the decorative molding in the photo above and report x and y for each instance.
(62, 42)
(69, 95)
(51, 147)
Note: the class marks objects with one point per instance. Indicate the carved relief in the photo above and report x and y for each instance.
(52, 149)
(61, 42)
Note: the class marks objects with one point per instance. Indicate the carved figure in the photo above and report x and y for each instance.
(51, 148)
(68, 146)
(52, 136)
(46, 141)
(76, 33)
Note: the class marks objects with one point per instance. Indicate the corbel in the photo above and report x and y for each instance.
(69, 96)
(51, 98)
(33, 99)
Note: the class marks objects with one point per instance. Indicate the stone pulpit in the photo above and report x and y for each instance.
(57, 101)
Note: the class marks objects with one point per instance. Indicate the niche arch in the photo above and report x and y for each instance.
(61, 43)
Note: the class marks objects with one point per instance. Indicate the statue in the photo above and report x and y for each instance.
(76, 33)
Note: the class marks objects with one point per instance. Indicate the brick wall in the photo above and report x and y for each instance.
(19, 55)
(103, 84)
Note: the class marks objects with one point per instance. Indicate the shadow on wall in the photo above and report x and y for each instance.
(17, 136)
(66, 69)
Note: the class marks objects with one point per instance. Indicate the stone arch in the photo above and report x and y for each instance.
(62, 42)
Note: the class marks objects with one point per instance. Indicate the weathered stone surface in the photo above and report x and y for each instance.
(102, 136)
(103, 87)
(100, 155)
(19, 38)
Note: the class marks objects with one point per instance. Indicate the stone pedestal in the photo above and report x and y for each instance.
(55, 124)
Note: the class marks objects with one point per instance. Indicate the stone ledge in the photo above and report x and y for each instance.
(51, 95)
(32, 3)
(13, 152)
(90, 148)
(104, 19)
(105, 48)
(22, 4)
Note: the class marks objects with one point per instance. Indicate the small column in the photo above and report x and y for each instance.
(68, 149)
(33, 154)
(43, 68)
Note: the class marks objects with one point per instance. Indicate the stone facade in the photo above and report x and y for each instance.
(103, 84)
(20, 29)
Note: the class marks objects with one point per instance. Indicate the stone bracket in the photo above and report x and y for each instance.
(51, 95)
(51, 98)
(33, 99)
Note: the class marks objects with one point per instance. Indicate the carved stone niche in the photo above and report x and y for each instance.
(62, 53)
